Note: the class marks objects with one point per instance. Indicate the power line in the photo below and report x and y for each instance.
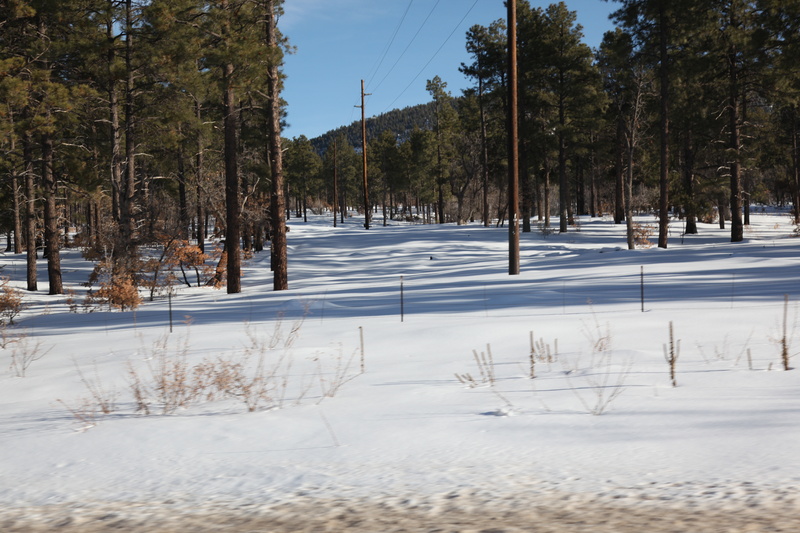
(375, 69)
(433, 56)
(408, 45)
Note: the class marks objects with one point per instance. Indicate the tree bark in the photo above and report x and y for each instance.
(335, 186)
(546, 209)
(563, 186)
(183, 208)
(484, 155)
(30, 213)
(795, 164)
(619, 183)
(128, 188)
(525, 185)
(279, 245)
(688, 184)
(198, 176)
(18, 235)
(51, 236)
(232, 206)
(629, 229)
(737, 228)
(663, 205)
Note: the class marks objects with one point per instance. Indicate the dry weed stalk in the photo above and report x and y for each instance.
(103, 399)
(542, 352)
(599, 338)
(24, 352)
(85, 412)
(671, 355)
(338, 377)
(532, 357)
(784, 340)
(485, 367)
(605, 378)
(785, 336)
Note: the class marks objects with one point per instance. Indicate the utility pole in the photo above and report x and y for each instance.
(513, 143)
(364, 156)
(335, 186)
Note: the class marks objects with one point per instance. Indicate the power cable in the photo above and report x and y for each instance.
(407, 46)
(433, 56)
(375, 69)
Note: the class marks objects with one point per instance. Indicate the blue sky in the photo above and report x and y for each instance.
(395, 46)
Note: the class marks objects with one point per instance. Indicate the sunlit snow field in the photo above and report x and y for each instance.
(410, 374)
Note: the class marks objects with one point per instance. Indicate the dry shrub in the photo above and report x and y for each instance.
(220, 276)
(10, 302)
(174, 384)
(642, 234)
(120, 293)
(246, 376)
(260, 376)
(177, 256)
(117, 290)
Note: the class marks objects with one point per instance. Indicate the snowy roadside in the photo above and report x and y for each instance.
(743, 507)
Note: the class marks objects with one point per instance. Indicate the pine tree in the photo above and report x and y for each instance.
(443, 128)
(572, 87)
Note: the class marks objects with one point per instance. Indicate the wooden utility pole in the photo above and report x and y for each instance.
(367, 210)
(513, 143)
(335, 186)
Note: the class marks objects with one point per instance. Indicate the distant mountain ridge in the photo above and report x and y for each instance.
(399, 121)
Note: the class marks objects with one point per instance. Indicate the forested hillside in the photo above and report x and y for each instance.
(401, 122)
(148, 133)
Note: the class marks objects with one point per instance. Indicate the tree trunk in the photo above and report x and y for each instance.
(280, 260)
(128, 189)
(18, 235)
(745, 176)
(593, 182)
(663, 205)
(629, 228)
(737, 228)
(51, 236)
(183, 207)
(546, 172)
(688, 184)
(795, 164)
(15, 198)
(527, 193)
(580, 193)
(619, 184)
(198, 176)
(232, 206)
(30, 212)
(335, 186)
(563, 187)
(116, 142)
(484, 156)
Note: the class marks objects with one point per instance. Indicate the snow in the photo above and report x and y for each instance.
(407, 431)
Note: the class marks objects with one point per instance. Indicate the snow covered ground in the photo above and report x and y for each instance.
(444, 430)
